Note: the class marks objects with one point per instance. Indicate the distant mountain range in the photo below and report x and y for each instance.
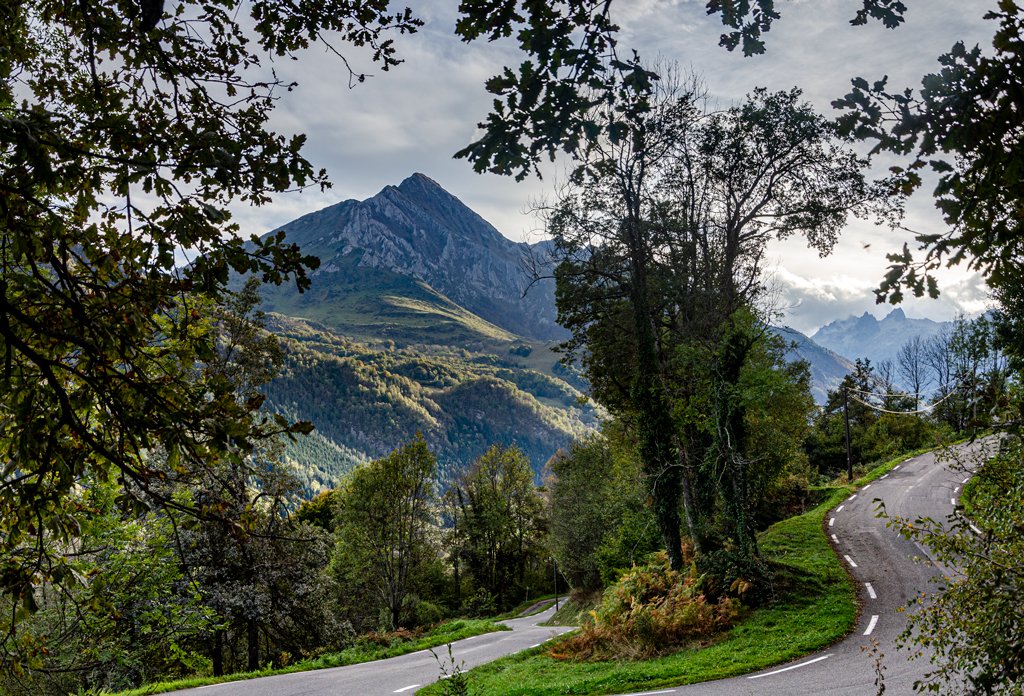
(419, 319)
(867, 337)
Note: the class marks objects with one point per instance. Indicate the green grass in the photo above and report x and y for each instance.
(816, 606)
(573, 609)
(448, 632)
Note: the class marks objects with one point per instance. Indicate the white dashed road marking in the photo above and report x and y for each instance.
(952, 501)
(871, 591)
(871, 624)
(840, 508)
(786, 669)
(956, 490)
(832, 522)
(867, 487)
(835, 538)
(405, 688)
(851, 497)
(850, 561)
(966, 480)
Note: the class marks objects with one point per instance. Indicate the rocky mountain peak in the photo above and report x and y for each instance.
(419, 230)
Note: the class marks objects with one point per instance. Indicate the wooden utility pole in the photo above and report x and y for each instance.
(554, 574)
(846, 421)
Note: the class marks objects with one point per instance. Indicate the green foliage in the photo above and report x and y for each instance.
(968, 627)
(961, 124)
(600, 522)
(131, 621)
(497, 526)
(580, 513)
(384, 515)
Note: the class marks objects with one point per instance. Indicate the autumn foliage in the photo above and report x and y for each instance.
(652, 610)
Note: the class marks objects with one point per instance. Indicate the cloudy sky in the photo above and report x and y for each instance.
(414, 117)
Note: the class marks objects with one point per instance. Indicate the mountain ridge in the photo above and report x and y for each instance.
(417, 230)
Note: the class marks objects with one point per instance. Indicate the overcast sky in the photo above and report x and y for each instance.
(414, 117)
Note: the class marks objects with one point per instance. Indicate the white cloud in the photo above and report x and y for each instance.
(415, 117)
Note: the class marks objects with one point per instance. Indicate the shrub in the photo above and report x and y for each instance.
(652, 610)
(428, 613)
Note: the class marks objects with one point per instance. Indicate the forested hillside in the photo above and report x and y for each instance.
(363, 398)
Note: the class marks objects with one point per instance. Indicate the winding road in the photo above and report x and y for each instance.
(889, 569)
(396, 675)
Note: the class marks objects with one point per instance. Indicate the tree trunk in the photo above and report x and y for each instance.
(655, 428)
(218, 653)
(253, 636)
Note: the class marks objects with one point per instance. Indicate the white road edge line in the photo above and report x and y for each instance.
(952, 501)
(832, 522)
(871, 591)
(896, 467)
(786, 669)
(956, 490)
(850, 561)
(405, 688)
(871, 624)
(885, 475)
(840, 508)
(866, 487)
(651, 693)
(966, 480)
(835, 538)
(851, 497)
(535, 646)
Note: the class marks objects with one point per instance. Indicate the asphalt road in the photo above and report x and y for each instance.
(890, 572)
(396, 675)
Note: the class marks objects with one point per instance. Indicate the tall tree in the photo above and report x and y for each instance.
(384, 520)
(499, 519)
(660, 240)
(910, 361)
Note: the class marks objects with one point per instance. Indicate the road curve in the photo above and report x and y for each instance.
(890, 572)
(396, 675)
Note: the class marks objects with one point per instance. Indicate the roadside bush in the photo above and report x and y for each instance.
(428, 613)
(725, 573)
(651, 611)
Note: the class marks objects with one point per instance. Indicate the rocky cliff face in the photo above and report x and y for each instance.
(420, 231)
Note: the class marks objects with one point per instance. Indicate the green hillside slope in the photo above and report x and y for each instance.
(367, 398)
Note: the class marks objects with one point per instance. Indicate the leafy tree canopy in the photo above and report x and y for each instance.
(964, 125)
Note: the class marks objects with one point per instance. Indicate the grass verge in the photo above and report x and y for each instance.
(361, 652)
(816, 606)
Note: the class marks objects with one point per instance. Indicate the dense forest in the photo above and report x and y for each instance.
(363, 398)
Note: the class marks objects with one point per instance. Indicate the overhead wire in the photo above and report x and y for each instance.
(927, 409)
